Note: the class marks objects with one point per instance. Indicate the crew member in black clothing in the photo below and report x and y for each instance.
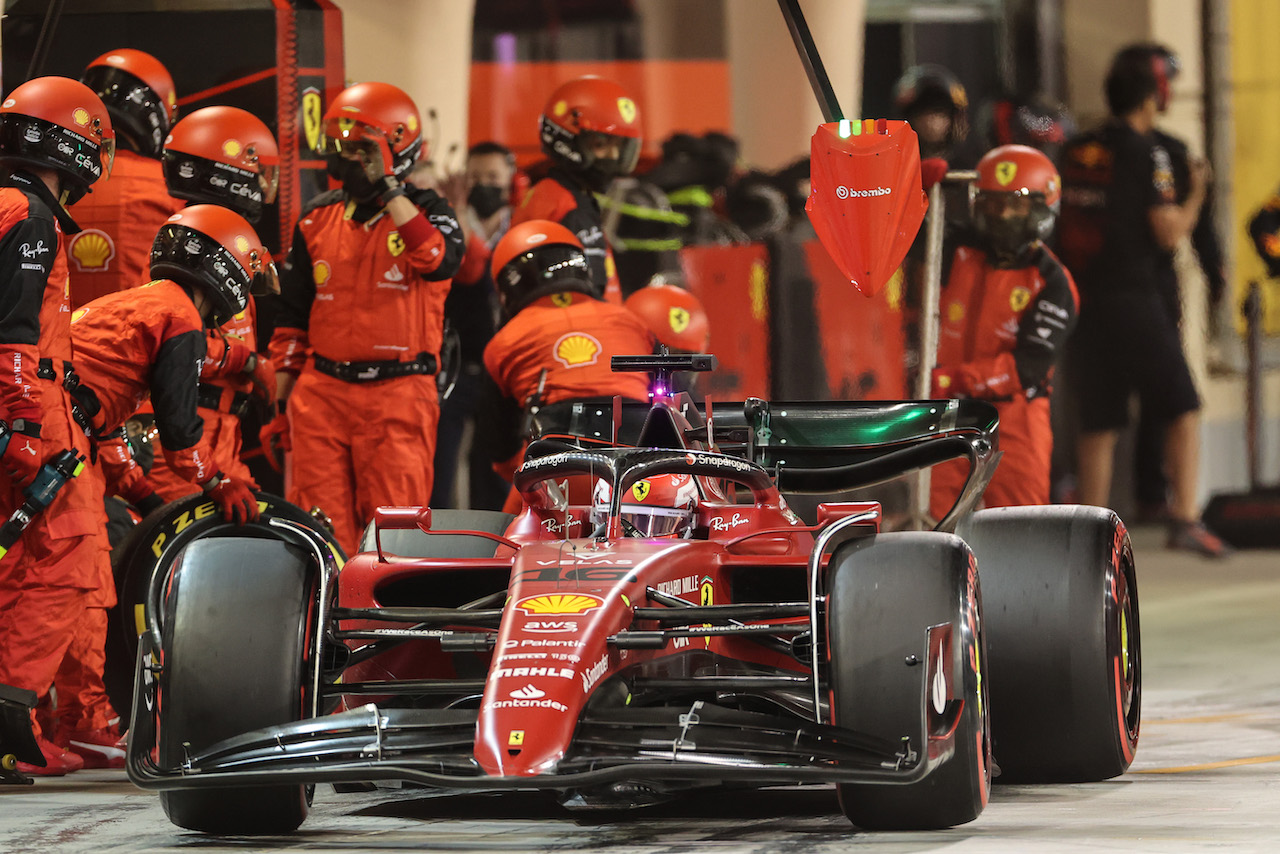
(1120, 224)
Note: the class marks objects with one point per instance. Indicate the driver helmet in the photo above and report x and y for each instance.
(214, 249)
(223, 156)
(138, 92)
(60, 124)
(535, 259)
(663, 505)
(591, 126)
(1016, 201)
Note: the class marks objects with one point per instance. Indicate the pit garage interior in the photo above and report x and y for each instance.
(1207, 772)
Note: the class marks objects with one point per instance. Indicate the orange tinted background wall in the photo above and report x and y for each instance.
(673, 95)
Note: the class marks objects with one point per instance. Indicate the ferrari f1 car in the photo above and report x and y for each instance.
(656, 619)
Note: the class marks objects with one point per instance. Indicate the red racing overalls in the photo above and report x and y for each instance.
(559, 198)
(1001, 331)
(360, 325)
(222, 399)
(572, 337)
(49, 573)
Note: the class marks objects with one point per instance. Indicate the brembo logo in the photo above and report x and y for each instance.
(843, 192)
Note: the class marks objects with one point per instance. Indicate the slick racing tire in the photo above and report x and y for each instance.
(884, 595)
(237, 635)
(162, 534)
(410, 542)
(1061, 596)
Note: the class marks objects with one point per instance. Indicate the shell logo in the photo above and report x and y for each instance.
(242, 245)
(1005, 172)
(577, 350)
(627, 109)
(320, 272)
(560, 603)
(92, 251)
(564, 299)
(232, 148)
(678, 319)
(80, 116)
(1019, 297)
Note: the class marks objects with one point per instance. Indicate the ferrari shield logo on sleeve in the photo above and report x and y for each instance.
(395, 244)
(865, 199)
(678, 318)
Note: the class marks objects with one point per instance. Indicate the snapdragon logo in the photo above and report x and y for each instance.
(843, 192)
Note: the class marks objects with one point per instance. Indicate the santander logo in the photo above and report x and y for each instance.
(528, 692)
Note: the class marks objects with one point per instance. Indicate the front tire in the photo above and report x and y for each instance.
(884, 594)
(237, 635)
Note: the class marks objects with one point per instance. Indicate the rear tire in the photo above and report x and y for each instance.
(237, 632)
(1062, 623)
(884, 593)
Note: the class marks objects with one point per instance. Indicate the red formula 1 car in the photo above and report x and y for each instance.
(656, 619)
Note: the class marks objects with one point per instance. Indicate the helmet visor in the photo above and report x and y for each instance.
(265, 278)
(609, 153)
(656, 521)
(269, 181)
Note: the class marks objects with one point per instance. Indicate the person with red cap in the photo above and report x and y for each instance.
(219, 155)
(56, 140)
(590, 128)
(558, 340)
(119, 220)
(357, 340)
(224, 156)
(674, 316)
(1007, 309)
(141, 344)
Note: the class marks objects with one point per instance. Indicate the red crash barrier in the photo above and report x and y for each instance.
(733, 283)
(861, 338)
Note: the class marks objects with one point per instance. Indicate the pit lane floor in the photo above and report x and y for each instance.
(1206, 776)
